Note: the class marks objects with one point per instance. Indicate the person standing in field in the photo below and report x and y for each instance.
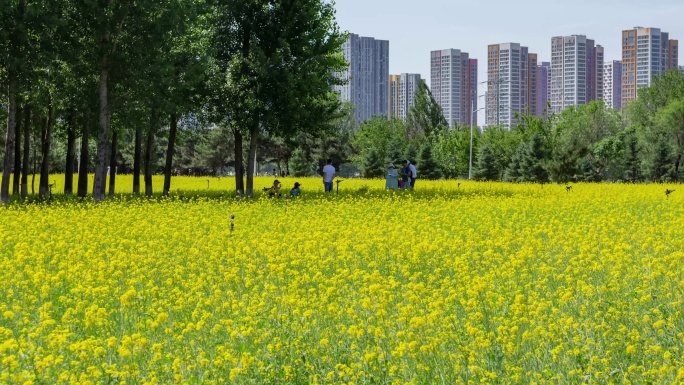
(328, 176)
(392, 178)
(414, 174)
(405, 175)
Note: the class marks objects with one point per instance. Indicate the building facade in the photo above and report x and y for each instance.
(612, 84)
(367, 85)
(403, 90)
(511, 83)
(453, 83)
(646, 52)
(576, 71)
(543, 88)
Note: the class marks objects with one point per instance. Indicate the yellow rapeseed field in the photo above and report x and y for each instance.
(451, 284)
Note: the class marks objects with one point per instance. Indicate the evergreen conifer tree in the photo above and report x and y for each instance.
(299, 165)
(372, 165)
(426, 166)
(485, 168)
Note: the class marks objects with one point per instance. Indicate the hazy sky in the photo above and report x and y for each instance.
(416, 27)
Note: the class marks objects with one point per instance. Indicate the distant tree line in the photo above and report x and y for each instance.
(590, 143)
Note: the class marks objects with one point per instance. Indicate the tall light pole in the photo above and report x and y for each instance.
(472, 124)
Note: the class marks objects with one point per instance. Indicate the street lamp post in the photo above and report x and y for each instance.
(472, 124)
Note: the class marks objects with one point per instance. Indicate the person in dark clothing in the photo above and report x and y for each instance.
(405, 176)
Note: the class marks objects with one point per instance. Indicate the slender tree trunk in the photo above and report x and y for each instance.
(83, 164)
(253, 140)
(137, 157)
(9, 139)
(44, 186)
(149, 148)
(26, 160)
(35, 165)
(239, 169)
(71, 152)
(17, 153)
(112, 164)
(103, 138)
(170, 151)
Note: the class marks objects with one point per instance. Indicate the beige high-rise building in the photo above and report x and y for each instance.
(646, 52)
(402, 92)
(393, 98)
(576, 71)
(453, 83)
(512, 83)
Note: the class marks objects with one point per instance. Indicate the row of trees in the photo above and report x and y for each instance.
(114, 78)
(591, 143)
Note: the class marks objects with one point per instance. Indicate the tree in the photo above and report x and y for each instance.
(451, 151)
(276, 62)
(377, 140)
(632, 161)
(425, 117)
(299, 165)
(12, 46)
(656, 116)
(670, 122)
(485, 168)
(427, 167)
(531, 160)
(372, 166)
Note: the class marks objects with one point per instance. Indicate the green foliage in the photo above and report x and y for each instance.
(658, 117)
(373, 166)
(451, 151)
(425, 118)
(378, 141)
(300, 166)
(486, 169)
(528, 165)
(426, 165)
(632, 158)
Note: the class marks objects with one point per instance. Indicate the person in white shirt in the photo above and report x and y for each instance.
(328, 176)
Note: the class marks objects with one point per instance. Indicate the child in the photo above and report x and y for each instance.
(296, 191)
(274, 191)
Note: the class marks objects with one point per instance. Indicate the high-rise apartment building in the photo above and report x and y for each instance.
(646, 52)
(543, 88)
(512, 83)
(612, 84)
(576, 71)
(403, 90)
(393, 98)
(367, 85)
(453, 83)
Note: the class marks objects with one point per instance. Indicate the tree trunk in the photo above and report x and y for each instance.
(44, 186)
(112, 164)
(71, 152)
(251, 163)
(239, 168)
(9, 139)
(149, 148)
(137, 157)
(26, 155)
(17, 153)
(35, 166)
(173, 127)
(103, 140)
(83, 164)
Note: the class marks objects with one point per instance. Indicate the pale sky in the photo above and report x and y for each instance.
(416, 27)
